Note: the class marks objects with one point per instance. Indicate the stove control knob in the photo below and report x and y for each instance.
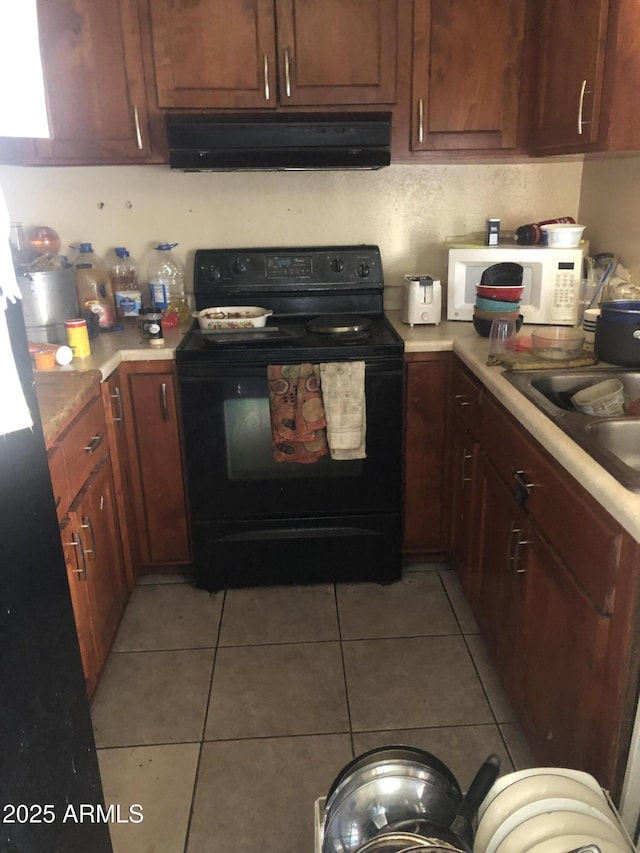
(239, 266)
(337, 264)
(213, 273)
(363, 270)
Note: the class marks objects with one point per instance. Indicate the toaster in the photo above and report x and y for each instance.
(421, 300)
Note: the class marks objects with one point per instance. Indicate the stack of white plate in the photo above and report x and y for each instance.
(547, 810)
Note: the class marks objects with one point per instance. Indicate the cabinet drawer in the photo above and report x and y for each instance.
(465, 398)
(84, 443)
(59, 481)
(584, 535)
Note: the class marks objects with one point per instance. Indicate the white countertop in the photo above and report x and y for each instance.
(472, 349)
(109, 349)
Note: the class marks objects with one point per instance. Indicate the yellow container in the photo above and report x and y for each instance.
(78, 337)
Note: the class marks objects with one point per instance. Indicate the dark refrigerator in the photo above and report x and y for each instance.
(48, 762)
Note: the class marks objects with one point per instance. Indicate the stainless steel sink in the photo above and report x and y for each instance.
(613, 442)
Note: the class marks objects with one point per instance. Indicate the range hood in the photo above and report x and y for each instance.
(201, 142)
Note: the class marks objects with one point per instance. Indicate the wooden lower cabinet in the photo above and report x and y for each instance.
(94, 519)
(465, 399)
(150, 407)
(116, 422)
(426, 519)
(75, 561)
(556, 602)
(83, 486)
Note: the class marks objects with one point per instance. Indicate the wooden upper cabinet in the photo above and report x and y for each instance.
(337, 51)
(257, 54)
(214, 53)
(620, 119)
(569, 72)
(466, 74)
(94, 83)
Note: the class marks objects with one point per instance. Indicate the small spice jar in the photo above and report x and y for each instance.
(151, 326)
(78, 337)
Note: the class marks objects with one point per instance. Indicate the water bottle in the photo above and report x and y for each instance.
(93, 284)
(166, 283)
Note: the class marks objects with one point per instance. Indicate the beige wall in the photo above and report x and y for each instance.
(407, 210)
(610, 204)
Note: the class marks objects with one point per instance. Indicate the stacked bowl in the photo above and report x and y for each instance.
(493, 301)
(548, 810)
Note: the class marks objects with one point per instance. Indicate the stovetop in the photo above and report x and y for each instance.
(288, 340)
(297, 284)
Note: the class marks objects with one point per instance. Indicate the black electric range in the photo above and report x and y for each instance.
(256, 519)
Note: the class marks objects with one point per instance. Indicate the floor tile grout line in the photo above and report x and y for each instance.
(310, 734)
(344, 669)
(204, 723)
(476, 668)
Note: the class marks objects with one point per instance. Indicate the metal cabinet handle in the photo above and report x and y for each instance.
(461, 400)
(118, 398)
(267, 91)
(94, 443)
(523, 487)
(87, 524)
(164, 405)
(465, 457)
(420, 120)
(515, 551)
(583, 91)
(136, 121)
(287, 73)
(81, 570)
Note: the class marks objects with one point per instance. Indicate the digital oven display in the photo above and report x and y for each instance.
(289, 266)
(566, 265)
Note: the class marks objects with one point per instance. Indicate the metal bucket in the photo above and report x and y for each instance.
(48, 299)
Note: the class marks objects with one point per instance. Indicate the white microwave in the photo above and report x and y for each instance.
(551, 279)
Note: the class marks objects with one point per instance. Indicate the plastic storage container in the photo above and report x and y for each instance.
(605, 399)
(166, 282)
(93, 283)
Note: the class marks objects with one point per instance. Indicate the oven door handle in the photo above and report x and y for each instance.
(208, 372)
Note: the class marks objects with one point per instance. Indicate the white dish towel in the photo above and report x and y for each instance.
(344, 401)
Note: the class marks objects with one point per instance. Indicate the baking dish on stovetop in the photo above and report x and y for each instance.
(233, 317)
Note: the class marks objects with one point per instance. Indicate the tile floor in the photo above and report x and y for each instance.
(225, 716)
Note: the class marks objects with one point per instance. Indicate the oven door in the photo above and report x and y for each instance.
(256, 521)
(231, 472)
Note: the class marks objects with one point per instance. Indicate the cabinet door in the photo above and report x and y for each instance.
(93, 516)
(569, 73)
(337, 51)
(94, 83)
(161, 510)
(501, 581)
(76, 563)
(466, 73)
(464, 474)
(425, 518)
(214, 54)
(561, 666)
(113, 399)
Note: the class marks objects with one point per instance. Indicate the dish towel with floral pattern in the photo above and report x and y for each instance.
(297, 414)
(343, 396)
